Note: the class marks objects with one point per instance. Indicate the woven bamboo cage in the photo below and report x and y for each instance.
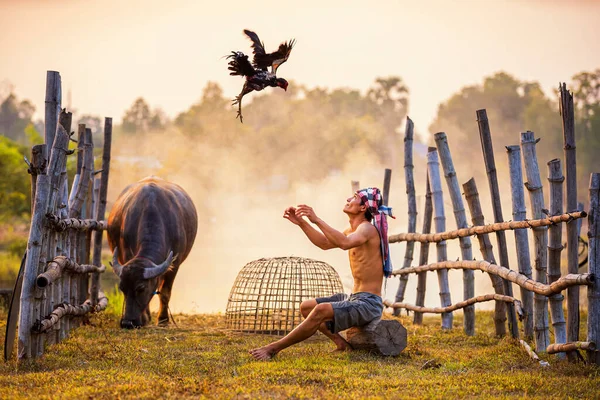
(266, 295)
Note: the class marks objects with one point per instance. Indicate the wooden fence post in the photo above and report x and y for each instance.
(97, 260)
(519, 213)
(433, 167)
(52, 109)
(568, 119)
(556, 178)
(424, 252)
(486, 249)
(593, 323)
(460, 216)
(490, 166)
(412, 208)
(387, 178)
(540, 235)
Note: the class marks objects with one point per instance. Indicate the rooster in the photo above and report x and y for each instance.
(257, 73)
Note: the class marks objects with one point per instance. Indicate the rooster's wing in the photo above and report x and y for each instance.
(262, 59)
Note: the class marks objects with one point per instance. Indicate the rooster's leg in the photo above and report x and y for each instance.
(238, 101)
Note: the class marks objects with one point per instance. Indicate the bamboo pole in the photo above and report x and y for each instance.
(60, 264)
(412, 206)
(34, 250)
(76, 209)
(490, 166)
(37, 166)
(507, 274)
(52, 109)
(568, 119)
(387, 178)
(593, 291)
(556, 178)
(566, 347)
(480, 230)
(63, 286)
(67, 309)
(433, 168)
(486, 249)
(460, 217)
(424, 253)
(457, 306)
(540, 236)
(95, 285)
(519, 213)
(532, 354)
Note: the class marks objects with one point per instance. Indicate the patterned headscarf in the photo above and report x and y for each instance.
(373, 199)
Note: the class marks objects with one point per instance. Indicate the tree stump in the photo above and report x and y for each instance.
(384, 337)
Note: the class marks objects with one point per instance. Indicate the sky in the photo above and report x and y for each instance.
(111, 52)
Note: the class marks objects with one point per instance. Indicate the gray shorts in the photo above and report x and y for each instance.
(358, 309)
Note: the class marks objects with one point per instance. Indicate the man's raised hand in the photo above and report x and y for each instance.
(305, 211)
(290, 214)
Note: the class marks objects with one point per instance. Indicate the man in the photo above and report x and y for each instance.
(369, 262)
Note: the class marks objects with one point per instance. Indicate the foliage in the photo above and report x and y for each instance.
(10, 261)
(15, 116)
(201, 359)
(302, 134)
(15, 191)
(139, 119)
(515, 106)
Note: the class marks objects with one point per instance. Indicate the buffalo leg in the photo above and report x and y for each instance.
(165, 295)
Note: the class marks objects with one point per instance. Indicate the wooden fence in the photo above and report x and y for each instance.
(55, 293)
(535, 291)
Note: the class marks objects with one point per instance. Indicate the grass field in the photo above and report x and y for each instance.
(200, 359)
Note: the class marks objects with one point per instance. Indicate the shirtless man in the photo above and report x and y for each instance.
(369, 261)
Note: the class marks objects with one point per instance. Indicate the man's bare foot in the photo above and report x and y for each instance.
(342, 347)
(263, 353)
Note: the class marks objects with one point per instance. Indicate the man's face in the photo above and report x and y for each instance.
(354, 206)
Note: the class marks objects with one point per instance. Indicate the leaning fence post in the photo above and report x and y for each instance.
(519, 213)
(433, 167)
(97, 260)
(424, 252)
(540, 235)
(441, 140)
(568, 120)
(387, 178)
(593, 323)
(52, 109)
(556, 178)
(412, 208)
(490, 165)
(487, 252)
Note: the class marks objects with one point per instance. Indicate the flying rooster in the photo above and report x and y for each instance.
(257, 74)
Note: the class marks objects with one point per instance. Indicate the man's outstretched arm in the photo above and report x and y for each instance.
(317, 238)
(335, 237)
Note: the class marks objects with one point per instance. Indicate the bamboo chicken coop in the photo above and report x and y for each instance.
(266, 295)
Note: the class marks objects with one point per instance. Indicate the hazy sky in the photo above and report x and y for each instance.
(111, 52)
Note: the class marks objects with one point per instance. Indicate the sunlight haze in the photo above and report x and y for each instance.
(109, 53)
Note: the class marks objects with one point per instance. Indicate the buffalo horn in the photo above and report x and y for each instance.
(115, 263)
(158, 270)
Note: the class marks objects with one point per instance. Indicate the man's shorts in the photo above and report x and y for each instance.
(358, 309)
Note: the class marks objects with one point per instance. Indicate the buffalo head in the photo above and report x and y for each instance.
(139, 279)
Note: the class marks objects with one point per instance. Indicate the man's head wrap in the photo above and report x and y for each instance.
(373, 199)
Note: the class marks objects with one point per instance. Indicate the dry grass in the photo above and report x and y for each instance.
(200, 359)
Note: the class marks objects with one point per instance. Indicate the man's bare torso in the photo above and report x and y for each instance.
(366, 263)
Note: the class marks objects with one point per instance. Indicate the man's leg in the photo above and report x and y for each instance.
(306, 307)
(319, 314)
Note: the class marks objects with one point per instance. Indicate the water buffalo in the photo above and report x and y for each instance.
(151, 230)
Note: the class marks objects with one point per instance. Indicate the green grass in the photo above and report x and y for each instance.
(201, 359)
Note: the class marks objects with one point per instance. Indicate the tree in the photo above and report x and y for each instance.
(139, 119)
(14, 117)
(15, 192)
